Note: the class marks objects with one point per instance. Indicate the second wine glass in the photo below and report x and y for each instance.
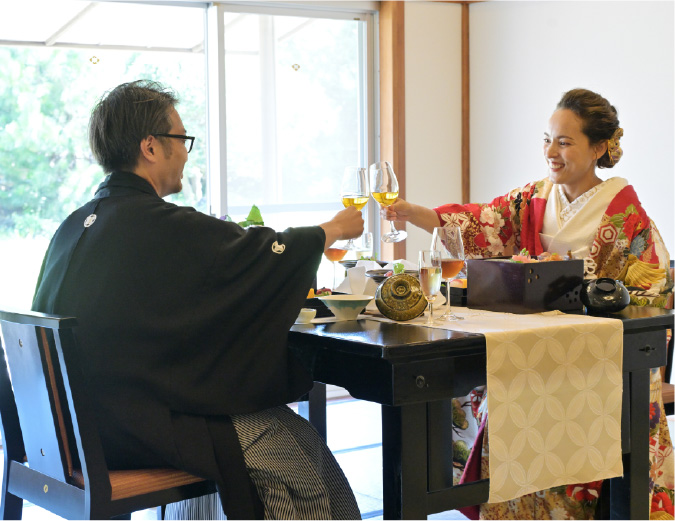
(430, 278)
(448, 241)
(354, 191)
(384, 189)
(335, 253)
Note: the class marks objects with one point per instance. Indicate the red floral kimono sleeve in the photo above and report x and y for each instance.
(504, 226)
(629, 247)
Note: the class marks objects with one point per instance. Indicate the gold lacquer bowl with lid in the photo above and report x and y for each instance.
(400, 298)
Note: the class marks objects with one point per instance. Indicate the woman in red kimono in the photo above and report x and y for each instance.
(601, 222)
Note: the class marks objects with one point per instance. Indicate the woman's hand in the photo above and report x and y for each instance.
(399, 210)
(402, 210)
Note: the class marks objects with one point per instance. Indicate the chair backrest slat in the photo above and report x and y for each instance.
(35, 390)
(54, 386)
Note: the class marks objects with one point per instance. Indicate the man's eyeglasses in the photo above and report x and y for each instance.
(178, 136)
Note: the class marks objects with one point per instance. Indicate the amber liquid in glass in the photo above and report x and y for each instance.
(451, 267)
(335, 254)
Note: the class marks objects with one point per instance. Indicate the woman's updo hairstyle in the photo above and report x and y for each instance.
(600, 122)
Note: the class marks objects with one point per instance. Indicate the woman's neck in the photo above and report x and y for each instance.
(574, 191)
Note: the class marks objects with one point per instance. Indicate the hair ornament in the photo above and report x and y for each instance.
(613, 146)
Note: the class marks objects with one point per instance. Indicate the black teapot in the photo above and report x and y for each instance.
(604, 295)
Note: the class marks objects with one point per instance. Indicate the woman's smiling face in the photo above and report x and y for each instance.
(570, 156)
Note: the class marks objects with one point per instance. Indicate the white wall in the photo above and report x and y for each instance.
(433, 110)
(524, 55)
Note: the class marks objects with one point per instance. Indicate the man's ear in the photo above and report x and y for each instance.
(149, 149)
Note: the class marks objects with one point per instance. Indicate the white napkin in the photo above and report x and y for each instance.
(357, 280)
(357, 283)
(369, 265)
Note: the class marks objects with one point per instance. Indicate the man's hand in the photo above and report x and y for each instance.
(347, 224)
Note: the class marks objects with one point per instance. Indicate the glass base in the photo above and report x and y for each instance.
(448, 315)
(395, 236)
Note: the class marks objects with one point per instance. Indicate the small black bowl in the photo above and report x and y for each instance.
(604, 295)
(379, 276)
(348, 263)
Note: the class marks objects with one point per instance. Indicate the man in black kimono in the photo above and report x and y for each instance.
(183, 320)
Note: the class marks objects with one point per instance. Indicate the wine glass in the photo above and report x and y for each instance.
(448, 240)
(354, 191)
(334, 254)
(364, 246)
(430, 278)
(384, 188)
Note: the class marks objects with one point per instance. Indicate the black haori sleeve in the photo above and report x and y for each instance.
(248, 300)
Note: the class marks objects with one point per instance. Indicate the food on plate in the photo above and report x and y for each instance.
(547, 257)
(323, 292)
(523, 257)
(254, 218)
(458, 283)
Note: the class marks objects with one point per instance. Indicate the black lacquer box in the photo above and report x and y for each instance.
(512, 287)
(457, 296)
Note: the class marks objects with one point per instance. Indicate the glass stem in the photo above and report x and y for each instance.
(334, 275)
(393, 228)
(447, 295)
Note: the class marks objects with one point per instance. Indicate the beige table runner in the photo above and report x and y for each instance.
(554, 384)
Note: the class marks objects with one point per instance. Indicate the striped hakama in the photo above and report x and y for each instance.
(293, 470)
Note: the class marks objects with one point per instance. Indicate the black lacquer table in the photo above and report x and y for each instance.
(414, 371)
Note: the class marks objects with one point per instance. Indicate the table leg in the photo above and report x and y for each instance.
(314, 409)
(404, 472)
(635, 481)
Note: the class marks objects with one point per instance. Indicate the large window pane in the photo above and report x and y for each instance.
(294, 113)
(46, 167)
(294, 92)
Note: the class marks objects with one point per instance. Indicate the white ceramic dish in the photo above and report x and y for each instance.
(306, 315)
(346, 307)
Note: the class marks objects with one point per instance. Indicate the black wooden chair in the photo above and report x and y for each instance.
(53, 452)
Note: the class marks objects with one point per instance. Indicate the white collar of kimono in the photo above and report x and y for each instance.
(573, 226)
